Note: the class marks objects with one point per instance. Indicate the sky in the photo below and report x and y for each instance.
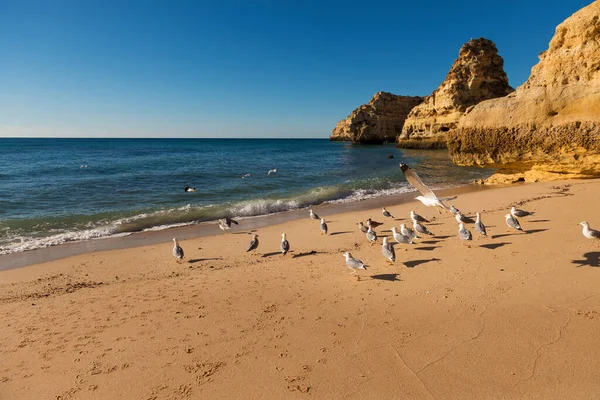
(234, 69)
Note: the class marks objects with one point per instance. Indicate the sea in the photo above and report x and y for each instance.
(54, 191)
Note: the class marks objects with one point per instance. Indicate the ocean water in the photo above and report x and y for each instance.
(54, 191)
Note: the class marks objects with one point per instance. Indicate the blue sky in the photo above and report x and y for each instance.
(240, 69)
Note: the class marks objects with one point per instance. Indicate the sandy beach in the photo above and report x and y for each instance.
(516, 315)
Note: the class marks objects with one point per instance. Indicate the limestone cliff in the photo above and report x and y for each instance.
(550, 126)
(476, 75)
(379, 121)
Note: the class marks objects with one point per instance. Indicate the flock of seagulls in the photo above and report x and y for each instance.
(405, 235)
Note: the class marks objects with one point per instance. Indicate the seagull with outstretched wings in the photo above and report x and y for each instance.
(427, 197)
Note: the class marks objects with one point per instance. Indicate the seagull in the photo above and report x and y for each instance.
(225, 223)
(285, 245)
(520, 213)
(354, 264)
(253, 243)
(373, 224)
(401, 238)
(428, 198)
(416, 217)
(461, 218)
(189, 189)
(177, 251)
(589, 233)
(387, 249)
(313, 215)
(464, 233)
(246, 176)
(420, 228)
(371, 235)
(323, 226)
(386, 213)
(272, 171)
(454, 210)
(479, 226)
(512, 222)
(408, 232)
(362, 227)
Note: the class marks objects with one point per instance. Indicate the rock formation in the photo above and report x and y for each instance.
(476, 75)
(379, 121)
(550, 126)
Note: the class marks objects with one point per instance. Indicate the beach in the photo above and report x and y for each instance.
(516, 315)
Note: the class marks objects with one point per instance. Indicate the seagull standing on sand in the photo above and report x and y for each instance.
(313, 215)
(323, 226)
(454, 210)
(420, 228)
(416, 217)
(400, 238)
(463, 233)
(462, 218)
(354, 264)
(373, 224)
(512, 222)
(428, 198)
(371, 236)
(253, 243)
(272, 171)
(362, 227)
(520, 213)
(408, 232)
(177, 251)
(285, 245)
(479, 226)
(387, 249)
(386, 213)
(588, 232)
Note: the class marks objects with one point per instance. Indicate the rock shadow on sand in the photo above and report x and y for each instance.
(592, 259)
(415, 263)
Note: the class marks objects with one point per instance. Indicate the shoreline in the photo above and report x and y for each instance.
(204, 229)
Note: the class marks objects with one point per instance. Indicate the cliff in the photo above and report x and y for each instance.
(379, 121)
(476, 75)
(549, 128)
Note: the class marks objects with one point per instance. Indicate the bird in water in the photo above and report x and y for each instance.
(479, 226)
(323, 226)
(177, 251)
(253, 243)
(387, 249)
(188, 189)
(354, 264)
(520, 213)
(416, 217)
(464, 234)
(386, 213)
(362, 227)
(313, 215)
(225, 223)
(285, 245)
(588, 232)
(513, 223)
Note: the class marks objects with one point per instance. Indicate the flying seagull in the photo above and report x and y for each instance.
(313, 215)
(479, 226)
(416, 217)
(323, 226)
(387, 249)
(225, 223)
(177, 251)
(512, 222)
(354, 264)
(588, 232)
(386, 213)
(520, 213)
(272, 171)
(427, 197)
(253, 243)
(285, 245)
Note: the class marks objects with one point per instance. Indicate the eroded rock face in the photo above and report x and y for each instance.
(379, 121)
(476, 75)
(549, 128)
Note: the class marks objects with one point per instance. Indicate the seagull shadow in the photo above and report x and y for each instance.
(505, 235)
(339, 233)
(592, 259)
(387, 277)
(196, 260)
(432, 223)
(494, 246)
(414, 263)
(427, 248)
(442, 237)
(430, 242)
(274, 253)
(308, 253)
(244, 232)
(529, 232)
(540, 220)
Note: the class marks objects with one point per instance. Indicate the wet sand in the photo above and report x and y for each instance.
(516, 315)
